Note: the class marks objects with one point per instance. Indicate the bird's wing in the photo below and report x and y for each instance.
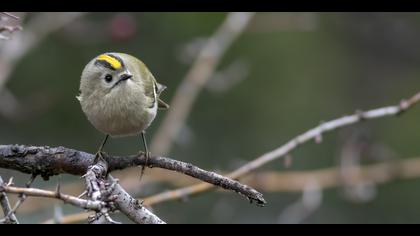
(159, 89)
(152, 87)
(162, 105)
(153, 90)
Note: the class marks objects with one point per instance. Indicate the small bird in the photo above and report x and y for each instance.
(120, 96)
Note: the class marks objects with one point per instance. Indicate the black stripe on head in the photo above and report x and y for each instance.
(104, 64)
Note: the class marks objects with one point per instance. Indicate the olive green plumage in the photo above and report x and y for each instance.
(119, 95)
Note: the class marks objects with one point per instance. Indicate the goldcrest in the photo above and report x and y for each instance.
(119, 95)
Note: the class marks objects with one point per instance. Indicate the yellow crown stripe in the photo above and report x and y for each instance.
(112, 61)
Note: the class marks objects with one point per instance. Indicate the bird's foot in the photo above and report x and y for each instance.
(98, 156)
(147, 154)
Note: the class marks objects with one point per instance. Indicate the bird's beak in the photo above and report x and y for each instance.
(122, 78)
(125, 77)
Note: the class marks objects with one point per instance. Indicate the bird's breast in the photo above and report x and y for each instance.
(120, 113)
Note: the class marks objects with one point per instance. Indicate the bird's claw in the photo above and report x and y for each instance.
(99, 155)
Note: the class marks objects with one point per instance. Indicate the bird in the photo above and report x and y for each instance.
(120, 97)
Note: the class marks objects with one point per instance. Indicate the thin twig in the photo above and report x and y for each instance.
(10, 15)
(49, 161)
(22, 196)
(34, 192)
(128, 205)
(295, 181)
(312, 134)
(35, 31)
(10, 217)
(10, 29)
(12, 51)
(197, 77)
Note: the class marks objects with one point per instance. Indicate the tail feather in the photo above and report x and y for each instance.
(162, 105)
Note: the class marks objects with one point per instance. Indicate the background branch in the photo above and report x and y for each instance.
(9, 216)
(297, 181)
(7, 26)
(10, 15)
(312, 134)
(22, 196)
(12, 51)
(197, 77)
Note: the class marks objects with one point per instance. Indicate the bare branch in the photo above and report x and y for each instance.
(126, 204)
(97, 189)
(10, 15)
(22, 196)
(283, 182)
(49, 161)
(34, 192)
(312, 134)
(35, 31)
(8, 27)
(106, 188)
(197, 77)
(10, 217)
(297, 181)
(132, 207)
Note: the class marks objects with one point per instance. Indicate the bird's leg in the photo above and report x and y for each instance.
(99, 153)
(143, 136)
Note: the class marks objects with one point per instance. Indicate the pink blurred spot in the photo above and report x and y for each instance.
(122, 27)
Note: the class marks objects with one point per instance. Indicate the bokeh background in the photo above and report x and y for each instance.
(284, 74)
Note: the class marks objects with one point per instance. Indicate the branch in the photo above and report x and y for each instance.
(9, 29)
(132, 208)
(407, 168)
(103, 194)
(197, 77)
(312, 134)
(34, 192)
(10, 15)
(12, 51)
(106, 188)
(297, 181)
(35, 31)
(22, 196)
(128, 205)
(48, 161)
(10, 217)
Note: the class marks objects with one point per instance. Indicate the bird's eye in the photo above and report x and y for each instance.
(108, 78)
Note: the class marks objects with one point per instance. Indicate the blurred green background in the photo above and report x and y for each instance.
(291, 71)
